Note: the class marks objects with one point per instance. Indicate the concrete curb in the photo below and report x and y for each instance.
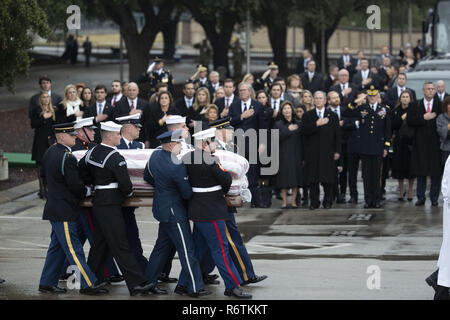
(19, 191)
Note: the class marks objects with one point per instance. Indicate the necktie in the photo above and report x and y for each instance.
(132, 106)
(228, 102)
(275, 105)
(100, 108)
(245, 107)
(115, 99)
(428, 107)
(320, 114)
(129, 145)
(310, 78)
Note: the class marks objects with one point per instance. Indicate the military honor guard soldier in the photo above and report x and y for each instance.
(374, 127)
(208, 209)
(172, 189)
(157, 74)
(65, 189)
(105, 168)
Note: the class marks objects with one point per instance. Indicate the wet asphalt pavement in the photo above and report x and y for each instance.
(346, 252)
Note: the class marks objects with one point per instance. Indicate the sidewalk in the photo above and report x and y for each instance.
(19, 191)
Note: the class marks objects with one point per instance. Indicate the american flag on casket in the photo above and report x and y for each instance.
(137, 159)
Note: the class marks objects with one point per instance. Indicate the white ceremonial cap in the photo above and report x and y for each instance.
(174, 119)
(131, 119)
(110, 126)
(84, 122)
(205, 134)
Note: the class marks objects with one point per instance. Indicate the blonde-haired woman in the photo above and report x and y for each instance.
(198, 110)
(42, 119)
(71, 108)
(307, 100)
(218, 94)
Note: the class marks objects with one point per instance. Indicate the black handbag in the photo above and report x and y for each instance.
(406, 133)
(263, 196)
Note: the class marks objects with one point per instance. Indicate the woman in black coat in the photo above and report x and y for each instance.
(290, 170)
(156, 123)
(42, 119)
(401, 167)
(198, 110)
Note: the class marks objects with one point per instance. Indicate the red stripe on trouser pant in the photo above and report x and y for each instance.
(91, 224)
(223, 254)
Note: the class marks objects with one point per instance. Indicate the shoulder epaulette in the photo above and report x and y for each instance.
(350, 106)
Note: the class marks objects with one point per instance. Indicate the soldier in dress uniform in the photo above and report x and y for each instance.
(85, 129)
(65, 189)
(172, 189)
(157, 74)
(106, 169)
(208, 209)
(238, 253)
(131, 127)
(374, 128)
(268, 77)
(200, 77)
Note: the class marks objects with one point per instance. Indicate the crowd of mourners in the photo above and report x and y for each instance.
(328, 123)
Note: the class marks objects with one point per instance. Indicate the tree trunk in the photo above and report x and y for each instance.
(308, 35)
(138, 53)
(169, 32)
(278, 39)
(219, 43)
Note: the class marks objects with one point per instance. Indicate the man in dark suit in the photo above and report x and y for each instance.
(213, 83)
(332, 78)
(346, 90)
(46, 86)
(364, 78)
(224, 103)
(392, 95)
(131, 105)
(312, 80)
(116, 93)
(247, 114)
(183, 104)
(303, 61)
(440, 91)
(322, 147)
(100, 110)
(346, 61)
(426, 152)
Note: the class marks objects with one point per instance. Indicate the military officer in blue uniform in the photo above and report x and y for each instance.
(131, 127)
(157, 74)
(238, 251)
(65, 189)
(374, 135)
(106, 169)
(172, 189)
(84, 140)
(200, 77)
(208, 209)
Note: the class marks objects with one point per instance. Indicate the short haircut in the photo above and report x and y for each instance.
(310, 62)
(332, 67)
(44, 78)
(330, 93)
(161, 85)
(279, 79)
(402, 74)
(214, 73)
(228, 80)
(427, 83)
(100, 87)
(320, 92)
(116, 81)
(187, 82)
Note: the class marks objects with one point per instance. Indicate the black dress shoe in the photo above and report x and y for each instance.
(305, 203)
(420, 202)
(313, 207)
(95, 289)
(54, 289)
(211, 279)
(367, 206)
(238, 293)
(341, 198)
(182, 290)
(377, 205)
(143, 288)
(165, 278)
(327, 206)
(115, 278)
(255, 279)
(2, 280)
(432, 279)
(157, 290)
(434, 203)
